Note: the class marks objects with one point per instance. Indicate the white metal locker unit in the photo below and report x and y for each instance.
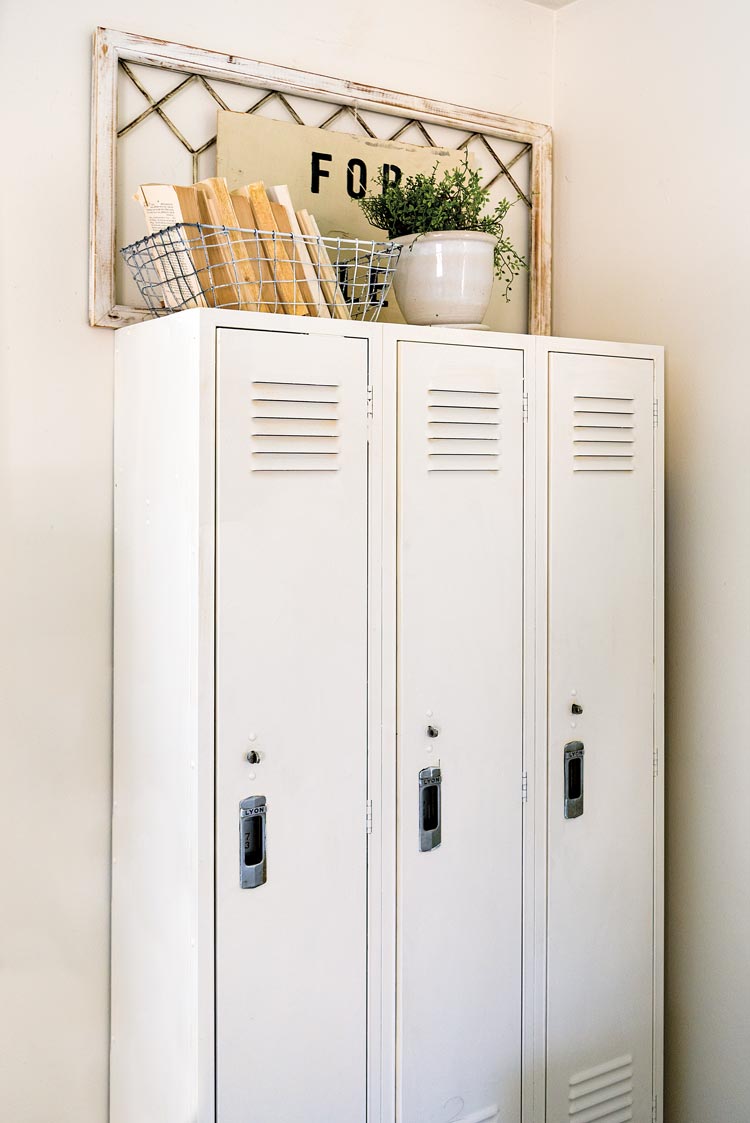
(460, 664)
(291, 550)
(604, 608)
(245, 959)
(369, 865)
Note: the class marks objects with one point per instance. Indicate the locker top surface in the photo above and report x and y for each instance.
(201, 320)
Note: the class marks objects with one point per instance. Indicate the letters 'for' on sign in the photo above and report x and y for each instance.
(326, 172)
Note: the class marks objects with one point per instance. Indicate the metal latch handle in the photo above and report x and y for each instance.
(573, 768)
(253, 842)
(430, 808)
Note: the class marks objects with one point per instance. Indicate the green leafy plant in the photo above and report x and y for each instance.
(421, 204)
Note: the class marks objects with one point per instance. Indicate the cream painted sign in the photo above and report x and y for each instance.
(326, 172)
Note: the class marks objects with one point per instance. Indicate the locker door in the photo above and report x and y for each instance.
(601, 662)
(291, 648)
(459, 679)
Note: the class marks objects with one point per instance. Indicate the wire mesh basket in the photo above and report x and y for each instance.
(199, 266)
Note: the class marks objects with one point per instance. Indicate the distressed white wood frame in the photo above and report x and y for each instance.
(112, 46)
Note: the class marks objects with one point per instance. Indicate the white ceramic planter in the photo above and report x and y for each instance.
(445, 277)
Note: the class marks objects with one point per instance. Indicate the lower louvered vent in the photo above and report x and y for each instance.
(463, 430)
(603, 433)
(295, 427)
(604, 1093)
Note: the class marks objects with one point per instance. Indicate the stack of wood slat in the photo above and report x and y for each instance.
(266, 257)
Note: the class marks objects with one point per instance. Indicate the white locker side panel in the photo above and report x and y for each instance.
(162, 1049)
(460, 661)
(600, 740)
(292, 562)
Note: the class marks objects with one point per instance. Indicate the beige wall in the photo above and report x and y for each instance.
(652, 242)
(55, 466)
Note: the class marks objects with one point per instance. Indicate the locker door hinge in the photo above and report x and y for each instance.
(368, 816)
(656, 762)
(524, 787)
(525, 407)
(656, 412)
(369, 401)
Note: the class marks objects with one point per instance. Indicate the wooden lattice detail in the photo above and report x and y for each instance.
(117, 53)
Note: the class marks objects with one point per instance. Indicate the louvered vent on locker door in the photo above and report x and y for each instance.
(295, 427)
(463, 430)
(603, 1093)
(603, 433)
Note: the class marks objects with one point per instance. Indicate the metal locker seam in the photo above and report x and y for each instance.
(659, 739)
(215, 474)
(535, 615)
(379, 1060)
